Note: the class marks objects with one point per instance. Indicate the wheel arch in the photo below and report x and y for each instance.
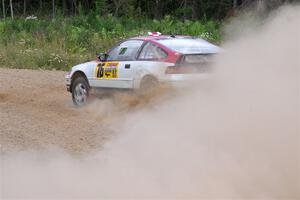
(147, 76)
(76, 75)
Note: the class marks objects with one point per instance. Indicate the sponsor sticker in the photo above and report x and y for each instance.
(107, 70)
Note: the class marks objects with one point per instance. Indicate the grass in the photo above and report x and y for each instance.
(62, 42)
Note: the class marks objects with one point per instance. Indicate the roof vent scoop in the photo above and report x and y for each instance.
(154, 34)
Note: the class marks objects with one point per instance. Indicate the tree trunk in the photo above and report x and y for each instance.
(196, 7)
(11, 9)
(157, 13)
(260, 6)
(3, 9)
(185, 6)
(41, 6)
(63, 6)
(234, 3)
(217, 16)
(24, 11)
(117, 5)
(74, 7)
(53, 8)
(86, 6)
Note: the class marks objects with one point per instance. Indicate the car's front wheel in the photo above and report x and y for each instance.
(80, 91)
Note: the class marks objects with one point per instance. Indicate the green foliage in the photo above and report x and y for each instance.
(61, 42)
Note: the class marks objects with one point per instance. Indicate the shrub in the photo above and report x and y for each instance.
(62, 42)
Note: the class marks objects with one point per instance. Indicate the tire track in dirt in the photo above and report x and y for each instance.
(36, 112)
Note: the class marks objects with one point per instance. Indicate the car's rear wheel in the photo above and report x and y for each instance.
(80, 91)
(148, 84)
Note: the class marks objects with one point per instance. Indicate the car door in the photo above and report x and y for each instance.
(151, 59)
(118, 70)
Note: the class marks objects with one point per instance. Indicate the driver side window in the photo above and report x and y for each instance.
(125, 51)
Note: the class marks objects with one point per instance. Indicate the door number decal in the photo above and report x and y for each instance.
(107, 70)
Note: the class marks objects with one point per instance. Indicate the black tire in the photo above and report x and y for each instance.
(80, 91)
(148, 84)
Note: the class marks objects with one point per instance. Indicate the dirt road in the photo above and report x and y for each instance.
(36, 112)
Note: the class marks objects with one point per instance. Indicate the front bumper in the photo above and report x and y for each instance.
(68, 82)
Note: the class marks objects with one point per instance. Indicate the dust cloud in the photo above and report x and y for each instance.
(233, 136)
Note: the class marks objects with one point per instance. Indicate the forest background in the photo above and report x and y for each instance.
(41, 34)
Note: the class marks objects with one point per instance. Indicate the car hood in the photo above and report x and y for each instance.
(84, 65)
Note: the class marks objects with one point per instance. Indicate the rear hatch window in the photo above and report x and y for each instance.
(197, 63)
(189, 45)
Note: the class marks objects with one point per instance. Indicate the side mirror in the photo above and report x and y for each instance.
(102, 57)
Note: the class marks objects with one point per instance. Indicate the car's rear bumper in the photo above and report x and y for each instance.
(184, 80)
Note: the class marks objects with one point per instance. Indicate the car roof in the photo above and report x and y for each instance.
(161, 37)
(162, 40)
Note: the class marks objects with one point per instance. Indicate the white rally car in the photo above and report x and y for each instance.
(141, 63)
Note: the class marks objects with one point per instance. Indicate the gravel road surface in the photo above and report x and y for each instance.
(36, 112)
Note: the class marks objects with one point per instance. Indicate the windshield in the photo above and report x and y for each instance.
(189, 45)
